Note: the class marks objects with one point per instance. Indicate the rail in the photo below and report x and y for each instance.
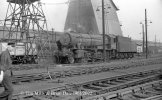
(97, 87)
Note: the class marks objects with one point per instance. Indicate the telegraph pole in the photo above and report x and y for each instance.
(146, 33)
(155, 44)
(155, 40)
(103, 31)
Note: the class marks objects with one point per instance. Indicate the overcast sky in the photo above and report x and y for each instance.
(131, 13)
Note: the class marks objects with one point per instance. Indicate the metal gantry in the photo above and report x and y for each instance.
(25, 21)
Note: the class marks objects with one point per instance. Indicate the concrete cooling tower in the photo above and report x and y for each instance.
(86, 16)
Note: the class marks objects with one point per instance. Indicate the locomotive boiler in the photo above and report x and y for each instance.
(79, 47)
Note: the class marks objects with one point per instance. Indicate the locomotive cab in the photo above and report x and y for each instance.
(112, 46)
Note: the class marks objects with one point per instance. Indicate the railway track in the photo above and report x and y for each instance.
(145, 91)
(135, 60)
(111, 88)
(75, 72)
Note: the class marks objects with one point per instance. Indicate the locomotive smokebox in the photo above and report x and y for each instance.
(65, 39)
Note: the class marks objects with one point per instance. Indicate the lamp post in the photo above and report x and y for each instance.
(143, 33)
(53, 33)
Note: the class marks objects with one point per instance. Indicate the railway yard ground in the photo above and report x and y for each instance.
(126, 79)
(85, 56)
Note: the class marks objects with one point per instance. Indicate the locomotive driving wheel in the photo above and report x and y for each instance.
(71, 59)
(85, 58)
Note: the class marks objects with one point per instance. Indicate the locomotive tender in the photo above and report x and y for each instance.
(78, 47)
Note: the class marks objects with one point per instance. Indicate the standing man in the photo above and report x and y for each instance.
(5, 65)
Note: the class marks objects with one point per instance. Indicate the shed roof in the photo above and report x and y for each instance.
(114, 5)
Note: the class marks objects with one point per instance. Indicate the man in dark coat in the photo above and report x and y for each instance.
(5, 65)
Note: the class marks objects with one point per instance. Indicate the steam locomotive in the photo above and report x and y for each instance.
(78, 47)
(73, 47)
